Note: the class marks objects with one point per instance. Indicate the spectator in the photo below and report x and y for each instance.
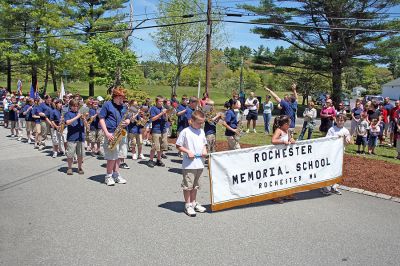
(328, 114)
(252, 105)
(355, 116)
(309, 115)
(286, 108)
(268, 107)
(174, 101)
(203, 100)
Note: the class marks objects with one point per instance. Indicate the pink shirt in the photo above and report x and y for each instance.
(328, 111)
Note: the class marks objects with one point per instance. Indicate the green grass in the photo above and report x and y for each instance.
(259, 139)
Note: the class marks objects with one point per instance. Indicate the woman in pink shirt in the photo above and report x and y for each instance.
(327, 114)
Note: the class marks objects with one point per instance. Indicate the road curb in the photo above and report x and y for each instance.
(370, 193)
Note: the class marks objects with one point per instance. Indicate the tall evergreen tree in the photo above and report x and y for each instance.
(337, 30)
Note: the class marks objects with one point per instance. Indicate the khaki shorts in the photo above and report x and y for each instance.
(136, 139)
(13, 124)
(211, 143)
(30, 126)
(56, 137)
(41, 129)
(160, 142)
(120, 151)
(191, 178)
(74, 147)
(233, 144)
(96, 136)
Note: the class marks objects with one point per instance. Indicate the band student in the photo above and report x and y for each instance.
(111, 115)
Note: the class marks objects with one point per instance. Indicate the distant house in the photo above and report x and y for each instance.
(357, 91)
(392, 89)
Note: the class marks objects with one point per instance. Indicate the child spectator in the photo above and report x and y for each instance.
(355, 117)
(362, 133)
(340, 131)
(282, 136)
(374, 132)
(192, 142)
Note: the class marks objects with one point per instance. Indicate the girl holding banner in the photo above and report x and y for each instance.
(231, 124)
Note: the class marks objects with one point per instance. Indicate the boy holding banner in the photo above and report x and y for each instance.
(192, 143)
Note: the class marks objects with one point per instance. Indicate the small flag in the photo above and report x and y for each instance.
(19, 87)
(62, 90)
(32, 92)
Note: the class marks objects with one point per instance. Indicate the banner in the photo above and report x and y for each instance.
(250, 175)
(62, 90)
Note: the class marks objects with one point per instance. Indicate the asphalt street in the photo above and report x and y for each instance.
(49, 218)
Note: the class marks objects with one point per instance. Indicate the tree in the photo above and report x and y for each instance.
(333, 29)
(179, 45)
(233, 56)
(92, 16)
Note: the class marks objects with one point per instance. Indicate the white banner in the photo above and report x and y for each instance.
(239, 175)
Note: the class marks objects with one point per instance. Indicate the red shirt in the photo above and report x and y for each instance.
(393, 112)
(384, 114)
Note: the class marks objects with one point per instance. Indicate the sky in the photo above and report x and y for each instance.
(234, 35)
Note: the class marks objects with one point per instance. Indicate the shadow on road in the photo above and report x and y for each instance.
(175, 170)
(176, 161)
(97, 178)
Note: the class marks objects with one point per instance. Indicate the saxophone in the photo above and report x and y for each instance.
(240, 130)
(62, 124)
(120, 132)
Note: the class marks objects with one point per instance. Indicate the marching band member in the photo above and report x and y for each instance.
(147, 128)
(56, 135)
(30, 124)
(135, 136)
(43, 111)
(210, 128)
(231, 124)
(158, 131)
(180, 113)
(111, 116)
(75, 136)
(96, 135)
(13, 111)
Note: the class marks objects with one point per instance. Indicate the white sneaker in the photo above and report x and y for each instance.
(198, 207)
(134, 156)
(109, 180)
(12, 135)
(55, 154)
(141, 156)
(29, 141)
(119, 179)
(189, 210)
(248, 130)
(19, 139)
(254, 130)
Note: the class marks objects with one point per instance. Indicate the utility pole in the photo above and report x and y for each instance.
(241, 77)
(208, 47)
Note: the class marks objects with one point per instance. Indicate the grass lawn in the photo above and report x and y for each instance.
(260, 138)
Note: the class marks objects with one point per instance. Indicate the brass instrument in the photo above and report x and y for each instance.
(120, 131)
(62, 124)
(142, 121)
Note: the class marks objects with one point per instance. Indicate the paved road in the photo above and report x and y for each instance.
(49, 218)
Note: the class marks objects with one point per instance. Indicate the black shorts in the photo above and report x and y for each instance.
(360, 140)
(252, 115)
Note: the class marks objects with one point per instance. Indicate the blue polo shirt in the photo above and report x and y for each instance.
(210, 129)
(287, 110)
(182, 121)
(55, 116)
(133, 128)
(76, 130)
(112, 114)
(357, 112)
(231, 120)
(158, 126)
(43, 108)
(13, 113)
(95, 124)
(28, 115)
(35, 112)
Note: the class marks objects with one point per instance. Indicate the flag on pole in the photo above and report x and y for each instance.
(62, 90)
(19, 87)
(32, 92)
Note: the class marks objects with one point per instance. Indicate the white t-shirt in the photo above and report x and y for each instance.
(193, 140)
(252, 102)
(341, 132)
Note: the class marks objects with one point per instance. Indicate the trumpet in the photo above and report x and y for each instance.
(240, 130)
(142, 121)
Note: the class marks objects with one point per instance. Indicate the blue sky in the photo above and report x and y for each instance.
(235, 35)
